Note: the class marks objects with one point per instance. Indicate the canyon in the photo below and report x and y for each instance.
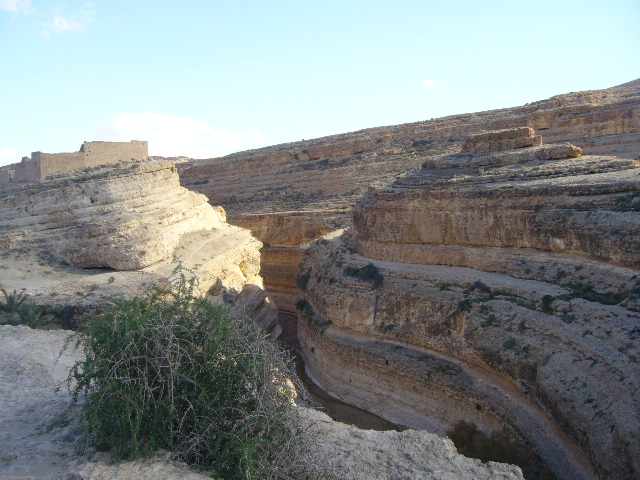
(479, 268)
(83, 237)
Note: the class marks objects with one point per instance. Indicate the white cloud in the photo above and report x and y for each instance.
(177, 136)
(70, 23)
(9, 155)
(429, 84)
(62, 24)
(15, 6)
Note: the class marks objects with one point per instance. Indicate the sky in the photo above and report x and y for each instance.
(204, 78)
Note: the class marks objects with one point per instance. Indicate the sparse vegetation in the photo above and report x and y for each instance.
(368, 273)
(305, 307)
(172, 371)
(421, 145)
(17, 309)
(587, 292)
(388, 327)
(546, 302)
(464, 305)
(628, 203)
(491, 320)
(479, 287)
(303, 280)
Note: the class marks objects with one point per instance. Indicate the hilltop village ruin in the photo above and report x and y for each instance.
(91, 154)
(478, 272)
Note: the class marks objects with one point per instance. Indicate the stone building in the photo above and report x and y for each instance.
(91, 154)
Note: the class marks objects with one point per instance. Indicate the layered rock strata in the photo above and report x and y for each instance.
(498, 287)
(87, 234)
(331, 173)
(285, 240)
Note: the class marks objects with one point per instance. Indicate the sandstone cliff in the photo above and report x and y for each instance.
(332, 172)
(498, 286)
(110, 230)
(300, 186)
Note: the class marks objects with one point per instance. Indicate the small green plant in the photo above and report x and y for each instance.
(491, 320)
(17, 309)
(172, 371)
(368, 273)
(546, 303)
(305, 307)
(464, 305)
(303, 280)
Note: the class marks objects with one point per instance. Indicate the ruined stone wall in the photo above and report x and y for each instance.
(98, 153)
(24, 171)
(49, 163)
(91, 154)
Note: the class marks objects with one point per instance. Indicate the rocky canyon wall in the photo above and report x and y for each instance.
(499, 287)
(328, 175)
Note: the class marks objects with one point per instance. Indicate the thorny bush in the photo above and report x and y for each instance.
(171, 371)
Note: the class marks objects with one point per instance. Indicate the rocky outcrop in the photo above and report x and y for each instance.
(501, 140)
(498, 287)
(133, 222)
(41, 432)
(125, 218)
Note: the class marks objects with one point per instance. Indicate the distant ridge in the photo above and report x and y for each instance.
(632, 83)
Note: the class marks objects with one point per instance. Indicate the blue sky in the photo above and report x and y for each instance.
(205, 78)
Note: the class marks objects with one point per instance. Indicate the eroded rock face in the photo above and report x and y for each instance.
(125, 217)
(285, 241)
(503, 289)
(41, 431)
(501, 140)
(332, 173)
(136, 224)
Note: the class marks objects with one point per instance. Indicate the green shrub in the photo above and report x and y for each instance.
(464, 305)
(172, 371)
(547, 300)
(303, 280)
(587, 292)
(305, 307)
(368, 273)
